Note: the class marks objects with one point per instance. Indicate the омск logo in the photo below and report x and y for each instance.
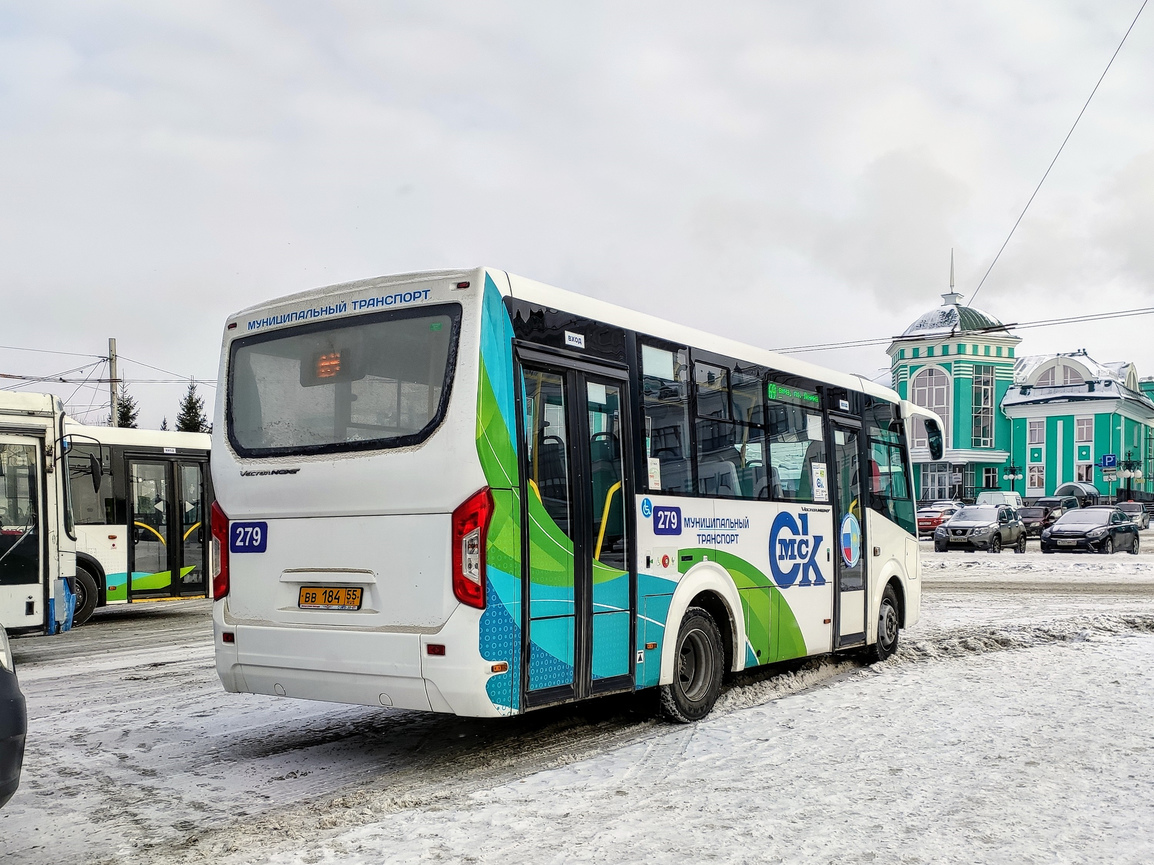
(793, 552)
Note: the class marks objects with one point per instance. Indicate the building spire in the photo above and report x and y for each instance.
(951, 297)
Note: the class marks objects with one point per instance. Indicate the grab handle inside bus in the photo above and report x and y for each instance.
(934, 439)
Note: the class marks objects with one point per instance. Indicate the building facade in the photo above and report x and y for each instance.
(1068, 412)
(959, 362)
(1049, 419)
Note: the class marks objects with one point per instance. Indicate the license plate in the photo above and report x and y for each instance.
(329, 598)
(1067, 543)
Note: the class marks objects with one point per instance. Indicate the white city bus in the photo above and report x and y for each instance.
(37, 541)
(140, 531)
(469, 492)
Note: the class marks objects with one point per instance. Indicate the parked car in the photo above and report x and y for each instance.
(1044, 512)
(1096, 529)
(1036, 518)
(1136, 511)
(1000, 497)
(946, 503)
(13, 723)
(932, 516)
(982, 527)
(1061, 504)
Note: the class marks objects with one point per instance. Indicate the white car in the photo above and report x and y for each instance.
(1137, 513)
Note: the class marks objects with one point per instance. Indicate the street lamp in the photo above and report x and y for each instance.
(1129, 469)
(1012, 474)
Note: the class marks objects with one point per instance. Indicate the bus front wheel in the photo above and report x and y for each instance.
(698, 667)
(87, 594)
(888, 624)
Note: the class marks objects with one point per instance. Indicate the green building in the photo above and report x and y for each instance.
(1051, 418)
(1068, 412)
(958, 361)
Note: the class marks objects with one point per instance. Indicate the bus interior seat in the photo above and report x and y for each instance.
(553, 479)
(718, 478)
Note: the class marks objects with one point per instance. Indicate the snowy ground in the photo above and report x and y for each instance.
(1015, 724)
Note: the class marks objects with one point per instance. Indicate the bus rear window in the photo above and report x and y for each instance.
(373, 381)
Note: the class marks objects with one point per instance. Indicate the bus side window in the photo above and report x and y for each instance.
(891, 497)
(730, 446)
(89, 507)
(665, 390)
(796, 446)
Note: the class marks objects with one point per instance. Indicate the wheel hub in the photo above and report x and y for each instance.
(695, 660)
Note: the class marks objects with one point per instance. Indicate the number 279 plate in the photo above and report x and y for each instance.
(329, 598)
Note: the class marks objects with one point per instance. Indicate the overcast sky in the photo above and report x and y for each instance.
(781, 173)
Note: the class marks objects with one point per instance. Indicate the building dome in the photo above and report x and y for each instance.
(953, 318)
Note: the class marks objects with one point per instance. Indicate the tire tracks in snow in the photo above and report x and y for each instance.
(443, 760)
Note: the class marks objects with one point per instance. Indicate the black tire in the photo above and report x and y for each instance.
(996, 543)
(1020, 546)
(888, 627)
(698, 660)
(1134, 546)
(1107, 547)
(87, 594)
(941, 548)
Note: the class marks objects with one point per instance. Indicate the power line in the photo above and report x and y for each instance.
(49, 351)
(59, 379)
(1025, 325)
(166, 371)
(1059, 153)
(55, 378)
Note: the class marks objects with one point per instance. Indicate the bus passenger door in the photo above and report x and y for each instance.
(153, 525)
(576, 579)
(850, 594)
(191, 506)
(21, 517)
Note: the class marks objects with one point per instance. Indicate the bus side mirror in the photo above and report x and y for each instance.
(97, 474)
(934, 438)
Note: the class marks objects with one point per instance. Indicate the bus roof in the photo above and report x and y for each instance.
(599, 310)
(140, 437)
(29, 404)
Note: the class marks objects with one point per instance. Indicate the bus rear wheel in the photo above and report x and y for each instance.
(87, 593)
(698, 667)
(888, 626)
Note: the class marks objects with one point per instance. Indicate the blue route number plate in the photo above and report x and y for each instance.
(248, 537)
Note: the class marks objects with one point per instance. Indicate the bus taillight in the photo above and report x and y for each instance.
(470, 528)
(218, 557)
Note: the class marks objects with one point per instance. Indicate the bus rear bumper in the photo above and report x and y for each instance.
(370, 668)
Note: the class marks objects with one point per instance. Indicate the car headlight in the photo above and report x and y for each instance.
(1045, 533)
(940, 532)
(1098, 533)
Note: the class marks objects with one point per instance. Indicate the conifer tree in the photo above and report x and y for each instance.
(164, 422)
(127, 411)
(191, 417)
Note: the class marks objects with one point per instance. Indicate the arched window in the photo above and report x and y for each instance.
(1059, 373)
(931, 389)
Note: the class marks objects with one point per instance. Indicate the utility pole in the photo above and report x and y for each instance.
(115, 411)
